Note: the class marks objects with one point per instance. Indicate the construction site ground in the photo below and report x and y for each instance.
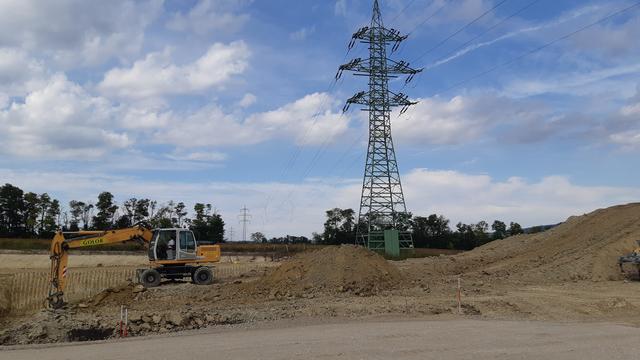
(561, 282)
(388, 338)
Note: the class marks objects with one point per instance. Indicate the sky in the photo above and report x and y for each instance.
(234, 103)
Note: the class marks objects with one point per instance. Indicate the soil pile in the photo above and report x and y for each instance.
(582, 248)
(116, 296)
(333, 269)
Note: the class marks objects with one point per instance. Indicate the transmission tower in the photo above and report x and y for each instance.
(245, 218)
(382, 205)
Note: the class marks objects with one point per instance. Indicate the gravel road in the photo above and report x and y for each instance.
(374, 339)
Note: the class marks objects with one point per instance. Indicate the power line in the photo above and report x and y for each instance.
(522, 56)
(430, 16)
(403, 10)
(518, 12)
(443, 41)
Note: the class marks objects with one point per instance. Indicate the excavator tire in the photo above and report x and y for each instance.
(202, 276)
(150, 278)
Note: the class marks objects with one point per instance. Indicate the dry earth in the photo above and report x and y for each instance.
(566, 274)
(395, 338)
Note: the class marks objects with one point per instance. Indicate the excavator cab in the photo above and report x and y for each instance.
(172, 245)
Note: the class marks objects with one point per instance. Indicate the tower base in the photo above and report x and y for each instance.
(388, 241)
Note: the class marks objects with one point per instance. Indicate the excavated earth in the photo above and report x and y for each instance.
(568, 273)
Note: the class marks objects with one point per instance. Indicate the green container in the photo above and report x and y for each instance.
(392, 243)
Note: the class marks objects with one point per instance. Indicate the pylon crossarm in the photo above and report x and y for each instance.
(379, 34)
(401, 67)
(356, 65)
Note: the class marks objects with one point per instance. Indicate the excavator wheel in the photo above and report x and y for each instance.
(202, 276)
(150, 278)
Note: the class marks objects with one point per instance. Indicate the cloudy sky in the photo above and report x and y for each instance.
(232, 102)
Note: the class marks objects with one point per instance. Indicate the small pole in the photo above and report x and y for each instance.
(121, 317)
(459, 296)
(126, 322)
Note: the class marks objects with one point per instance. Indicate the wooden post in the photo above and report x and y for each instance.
(459, 296)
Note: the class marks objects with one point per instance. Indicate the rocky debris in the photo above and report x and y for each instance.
(64, 325)
(330, 270)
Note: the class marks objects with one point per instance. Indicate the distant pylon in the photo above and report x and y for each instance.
(382, 204)
(245, 218)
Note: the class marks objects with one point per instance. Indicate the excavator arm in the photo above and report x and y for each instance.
(64, 241)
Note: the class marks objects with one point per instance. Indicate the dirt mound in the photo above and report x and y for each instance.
(582, 248)
(117, 295)
(333, 269)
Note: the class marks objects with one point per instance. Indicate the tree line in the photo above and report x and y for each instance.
(30, 215)
(432, 231)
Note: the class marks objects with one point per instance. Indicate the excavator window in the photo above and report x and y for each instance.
(187, 242)
(162, 243)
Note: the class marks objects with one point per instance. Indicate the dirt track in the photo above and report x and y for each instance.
(390, 339)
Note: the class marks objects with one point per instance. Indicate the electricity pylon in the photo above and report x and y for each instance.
(382, 205)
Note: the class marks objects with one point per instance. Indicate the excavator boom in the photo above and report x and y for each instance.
(64, 241)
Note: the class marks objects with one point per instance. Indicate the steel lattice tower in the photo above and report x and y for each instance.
(382, 204)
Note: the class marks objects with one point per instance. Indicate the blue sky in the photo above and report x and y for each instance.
(233, 103)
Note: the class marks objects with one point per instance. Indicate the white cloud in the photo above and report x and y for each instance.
(144, 118)
(60, 120)
(247, 100)
(302, 34)
(205, 156)
(340, 8)
(19, 73)
(584, 82)
(610, 39)
(461, 119)
(210, 15)
(471, 198)
(73, 31)
(628, 139)
(157, 75)
(309, 120)
(633, 107)
(208, 127)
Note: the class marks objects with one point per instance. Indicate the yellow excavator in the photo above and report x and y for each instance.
(173, 254)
